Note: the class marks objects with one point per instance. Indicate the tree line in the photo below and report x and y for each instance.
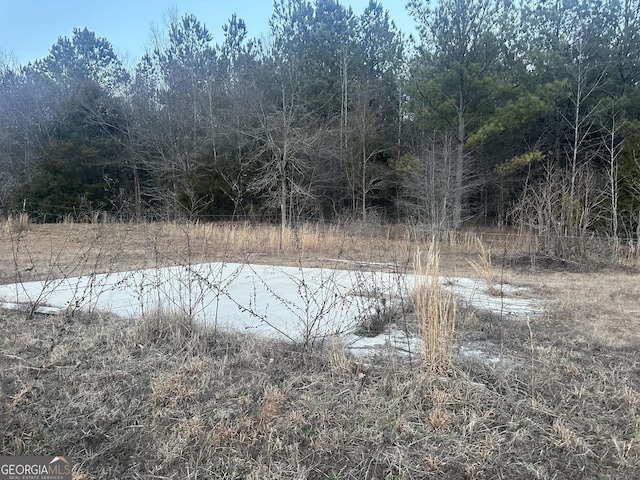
(497, 112)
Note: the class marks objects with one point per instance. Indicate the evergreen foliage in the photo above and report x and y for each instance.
(338, 114)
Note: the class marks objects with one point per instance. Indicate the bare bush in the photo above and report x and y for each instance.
(561, 210)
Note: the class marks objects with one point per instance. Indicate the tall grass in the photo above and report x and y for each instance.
(153, 244)
(249, 239)
(435, 311)
(484, 269)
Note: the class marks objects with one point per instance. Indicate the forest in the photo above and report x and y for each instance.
(496, 112)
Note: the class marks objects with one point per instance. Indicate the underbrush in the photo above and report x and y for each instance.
(162, 398)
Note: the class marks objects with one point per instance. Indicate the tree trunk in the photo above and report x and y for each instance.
(137, 193)
(283, 209)
(364, 181)
(459, 167)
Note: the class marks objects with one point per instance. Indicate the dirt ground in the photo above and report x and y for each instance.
(162, 398)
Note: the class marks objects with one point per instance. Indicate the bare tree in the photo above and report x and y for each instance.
(287, 136)
(587, 82)
(367, 143)
(173, 82)
(613, 147)
(428, 187)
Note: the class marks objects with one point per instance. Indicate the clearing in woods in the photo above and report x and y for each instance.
(550, 395)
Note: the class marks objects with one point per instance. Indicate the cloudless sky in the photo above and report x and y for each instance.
(28, 28)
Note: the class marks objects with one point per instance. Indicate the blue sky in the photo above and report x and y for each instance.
(28, 28)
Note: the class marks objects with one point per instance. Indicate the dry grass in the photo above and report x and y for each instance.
(435, 312)
(57, 250)
(164, 398)
(484, 269)
(126, 403)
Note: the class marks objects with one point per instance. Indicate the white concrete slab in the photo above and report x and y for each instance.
(285, 301)
(290, 302)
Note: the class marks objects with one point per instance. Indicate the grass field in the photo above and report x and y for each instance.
(160, 397)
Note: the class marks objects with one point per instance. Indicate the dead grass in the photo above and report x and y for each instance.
(484, 269)
(125, 403)
(56, 250)
(164, 398)
(435, 312)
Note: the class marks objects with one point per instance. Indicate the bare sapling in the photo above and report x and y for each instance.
(55, 269)
(435, 311)
(317, 311)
